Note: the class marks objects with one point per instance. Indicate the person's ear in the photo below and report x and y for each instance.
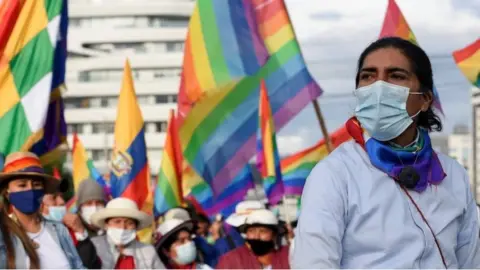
(428, 99)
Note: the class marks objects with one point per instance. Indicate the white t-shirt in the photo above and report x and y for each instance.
(50, 253)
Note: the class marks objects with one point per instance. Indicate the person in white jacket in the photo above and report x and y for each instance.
(392, 201)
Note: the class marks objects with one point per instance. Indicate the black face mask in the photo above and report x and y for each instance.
(260, 247)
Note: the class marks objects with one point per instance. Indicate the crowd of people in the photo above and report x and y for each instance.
(387, 202)
(37, 231)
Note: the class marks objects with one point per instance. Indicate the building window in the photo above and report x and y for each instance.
(76, 103)
(108, 128)
(161, 126)
(159, 99)
(174, 46)
(156, 21)
(98, 155)
(75, 128)
(143, 100)
(172, 98)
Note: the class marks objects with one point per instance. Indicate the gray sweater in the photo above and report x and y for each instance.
(145, 256)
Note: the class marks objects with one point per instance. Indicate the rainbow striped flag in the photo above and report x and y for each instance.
(232, 46)
(395, 25)
(268, 159)
(468, 61)
(83, 169)
(129, 171)
(297, 167)
(52, 147)
(31, 65)
(168, 190)
(195, 187)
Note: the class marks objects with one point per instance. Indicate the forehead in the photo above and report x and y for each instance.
(259, 228)
(23, 180)
(387, 58)
(124, 219)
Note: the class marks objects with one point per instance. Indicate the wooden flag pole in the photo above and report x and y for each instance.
(323, 127)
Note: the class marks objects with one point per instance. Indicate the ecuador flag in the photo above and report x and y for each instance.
(129, 167)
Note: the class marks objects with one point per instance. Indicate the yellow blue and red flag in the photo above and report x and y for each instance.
(130, 176)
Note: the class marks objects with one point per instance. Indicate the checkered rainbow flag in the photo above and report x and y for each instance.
(28, 37)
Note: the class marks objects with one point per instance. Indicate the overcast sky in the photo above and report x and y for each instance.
(332, 35)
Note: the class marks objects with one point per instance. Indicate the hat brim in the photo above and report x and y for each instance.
(99, 218)
(187, 225)
(236, 220)
(50, 182)
(276, 228)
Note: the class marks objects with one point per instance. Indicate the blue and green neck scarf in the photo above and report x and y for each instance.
(391, 159)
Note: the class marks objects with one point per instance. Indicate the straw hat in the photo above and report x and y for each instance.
(122, 207)
(21, 165)
(242, 210)
(261, 217)
(170, 227)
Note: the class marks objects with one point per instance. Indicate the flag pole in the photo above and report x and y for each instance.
(323, 126)
(316, 106)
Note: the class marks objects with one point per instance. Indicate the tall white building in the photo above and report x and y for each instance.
(476, 141)
(102, 34)
(459, 147)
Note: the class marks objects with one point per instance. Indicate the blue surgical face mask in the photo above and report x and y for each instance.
(56, 213)
(186, 253)
(382, 109)
(28, 201)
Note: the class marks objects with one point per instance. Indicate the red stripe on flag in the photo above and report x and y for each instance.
(137, 190)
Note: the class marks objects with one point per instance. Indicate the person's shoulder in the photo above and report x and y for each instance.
(146, 247)
(99, 238)
(345, 157)
(233, 253)
(450, 164)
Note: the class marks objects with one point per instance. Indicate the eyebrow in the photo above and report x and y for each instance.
(389, 69)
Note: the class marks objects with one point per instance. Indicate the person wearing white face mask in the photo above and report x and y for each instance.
(90, 199)
(175, 245)
(119, 249)
(391, 201)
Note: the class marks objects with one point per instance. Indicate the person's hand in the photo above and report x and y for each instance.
(73, 222)
(290, 232)
(215, 230)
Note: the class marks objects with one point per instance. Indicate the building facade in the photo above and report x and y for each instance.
(102, 35)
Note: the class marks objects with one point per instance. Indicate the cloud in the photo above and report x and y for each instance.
(439, 25)
(326, 16)
(289, 144)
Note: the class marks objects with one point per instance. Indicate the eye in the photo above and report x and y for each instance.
(398, 76)
(365, 76)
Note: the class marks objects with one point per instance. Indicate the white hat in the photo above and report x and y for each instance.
(122, 207)
(242, 210)
(170, 227)
(177, 213)
(260, 217)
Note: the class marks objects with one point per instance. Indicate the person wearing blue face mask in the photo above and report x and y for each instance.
(54, 209)
(31, 240)
(390, 201)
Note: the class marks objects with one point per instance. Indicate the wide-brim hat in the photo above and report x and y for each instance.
(170, 227)
(20, 165)
(242, 210)
(122, 207)
(262, 217)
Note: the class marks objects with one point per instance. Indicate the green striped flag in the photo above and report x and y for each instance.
(26, 70)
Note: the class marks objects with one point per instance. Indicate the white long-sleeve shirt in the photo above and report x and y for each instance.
(354, 216)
